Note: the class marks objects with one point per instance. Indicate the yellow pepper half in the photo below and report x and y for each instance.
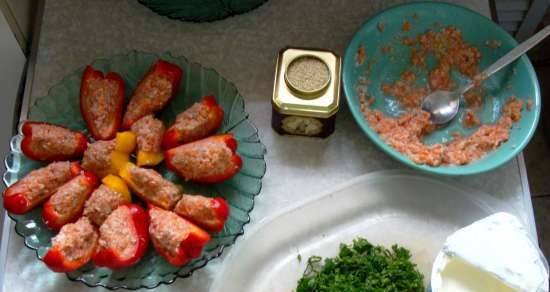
(145, 158)
(118, 185)
(118, 159)
(125, 142)
(124, 173)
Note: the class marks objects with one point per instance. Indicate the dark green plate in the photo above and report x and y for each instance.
(201, 10)
(61, 106)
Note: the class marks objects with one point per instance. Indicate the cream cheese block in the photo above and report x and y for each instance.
(494, 254)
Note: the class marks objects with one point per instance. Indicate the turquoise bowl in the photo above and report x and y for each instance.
(518, 79)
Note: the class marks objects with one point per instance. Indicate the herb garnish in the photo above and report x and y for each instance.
(363, 267)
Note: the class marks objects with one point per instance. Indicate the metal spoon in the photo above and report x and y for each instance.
(443, 104)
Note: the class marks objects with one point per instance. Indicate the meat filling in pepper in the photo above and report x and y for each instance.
(117, 233)
(38, 186)
(123, 237)
(101, 203)
(106, 157)
(66, 205)
(48, 142)
(174, 238)
(101, 102)
(151, 186)
(199, 121)
(152, 92)
(149, 132)
(97, 157)
(208, 213)
(209, 160)
(72, 247)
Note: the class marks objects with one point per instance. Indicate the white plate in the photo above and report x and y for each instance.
(387, 207)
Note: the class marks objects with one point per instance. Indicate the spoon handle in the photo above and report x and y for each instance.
(508, 58)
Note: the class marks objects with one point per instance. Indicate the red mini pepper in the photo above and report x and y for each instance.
(101, 102)
(208, 213)
(24, 195)
(153, 92)
(186, 240)
(197, 122)
(80, 237)
(107, 254)
(48, 142)
(67, 204)
(210, 160)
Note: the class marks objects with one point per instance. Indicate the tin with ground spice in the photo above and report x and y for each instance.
(306, 92)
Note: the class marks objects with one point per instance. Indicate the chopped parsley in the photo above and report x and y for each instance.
(363, 267)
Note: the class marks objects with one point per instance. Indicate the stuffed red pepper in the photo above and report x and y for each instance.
(101, 102)
(67, 203)
(153, 92)
(208, 213)
(106, 157)
(72, 247)
(149, 132)
(112, 193)
(38, 186)
(123, 237)
(150, 186)
(197, 122)
(48, 142)
(174, 238)
(210, 160)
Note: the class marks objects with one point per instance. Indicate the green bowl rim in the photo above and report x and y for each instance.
(170, 15)
(221, 248)
(444, 170)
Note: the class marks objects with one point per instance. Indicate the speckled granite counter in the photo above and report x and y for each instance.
(243, 49)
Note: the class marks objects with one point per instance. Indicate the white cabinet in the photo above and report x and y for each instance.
(12, 63)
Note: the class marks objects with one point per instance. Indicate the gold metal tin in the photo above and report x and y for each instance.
(320, 104)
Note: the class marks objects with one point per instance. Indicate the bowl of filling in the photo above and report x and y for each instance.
(406, 52)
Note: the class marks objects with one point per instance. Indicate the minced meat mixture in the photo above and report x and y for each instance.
(167, 230)
(39, 184)
(152, 93)
(101, 100)
(406, 132)
(149, 132)
(118, 233)
(154, 188)
(101, 203)
(194, 121)
(204, 157)
(97, 157)
(75, 240)
(50, 139)
(197, 208)
(69, 196)
(470, 120)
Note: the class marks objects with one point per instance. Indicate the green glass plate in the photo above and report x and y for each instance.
(201, 10)
(61, 106)
(517, 79)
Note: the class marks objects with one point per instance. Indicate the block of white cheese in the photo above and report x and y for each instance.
(494, 254)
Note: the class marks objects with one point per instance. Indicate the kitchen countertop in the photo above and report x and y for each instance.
(243, 49)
